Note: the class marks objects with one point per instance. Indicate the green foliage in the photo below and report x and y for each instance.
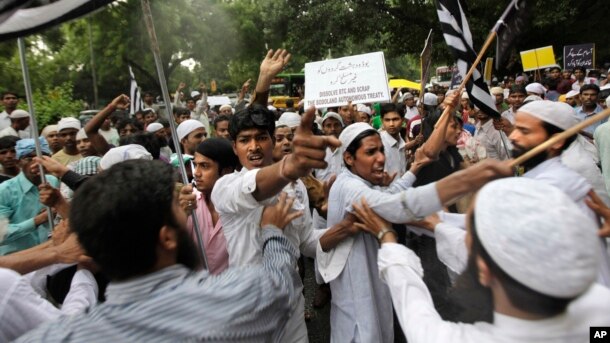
(52, 103)
(226, 40)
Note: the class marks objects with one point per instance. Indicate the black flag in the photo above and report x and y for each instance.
(21, 18)
(459, 39)
(508, 28)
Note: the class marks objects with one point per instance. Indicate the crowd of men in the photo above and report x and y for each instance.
(421, 228)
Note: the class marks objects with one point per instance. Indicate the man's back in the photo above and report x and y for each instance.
(175, 304)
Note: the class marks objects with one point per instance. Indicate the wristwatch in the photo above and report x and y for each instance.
(383, 232)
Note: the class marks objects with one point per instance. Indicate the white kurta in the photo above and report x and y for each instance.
(361, 309)
(394, 150)
(401, 270)
(241, 214)
(22, 309)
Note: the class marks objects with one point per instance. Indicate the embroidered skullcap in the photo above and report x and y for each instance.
(290, 119)
(16, 114)
(523, 222)
(124, 153)
(187, 127)
(68, 123)
(559, 114)
(154, 127)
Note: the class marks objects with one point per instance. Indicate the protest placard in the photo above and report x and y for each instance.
(581, 55)
(538, 58)
(359, 79)
(488, 70)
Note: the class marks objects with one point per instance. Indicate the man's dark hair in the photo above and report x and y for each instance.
(555, 68)
(517, 89)
(589, 86)
(163, 122)
(129, 121)
(148, 93)
(118, 213)
(5, 93)
(387, 108)
(552, 129)
(579, 68)
(148, 140)
(357, 143)
(221, 118)
(253, 117)
(178, 111)
(189, 99)
(289, 103)
(519, 295)
(7, 142)
(219, 150)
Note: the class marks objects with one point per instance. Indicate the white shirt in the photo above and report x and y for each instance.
(240, 214)
(394, 150)
(491, 139)
(22, 309)
(5, 121)
(411, 112)
(334, 159)
(399, 203)
(401, 270)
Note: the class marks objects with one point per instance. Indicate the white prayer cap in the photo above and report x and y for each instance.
(187, 127)
(290, 119)
(497, 91)
(124, 153)
(535, 87)
(279, 124)
(335, 115)
(559, 114)
(154, 127)
(271, 108)
(225, 107)
(538, 235)
(531, 98)
(430, 99)
(407, 96)
(465, 95)
(365, 109)
(48, 129)
(68, 123)
(572, 94)
(348, 134)
(81, 134)
(16, 114)
(195, 94)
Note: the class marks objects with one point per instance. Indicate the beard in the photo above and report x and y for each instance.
(474, 300)
(186, 251)
(532, 162)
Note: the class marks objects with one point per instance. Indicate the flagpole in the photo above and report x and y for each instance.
(148, 19)
(33, 122)
(560, 136)
(473, 67)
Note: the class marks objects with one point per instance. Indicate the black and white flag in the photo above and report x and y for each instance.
(20, 18)
(459, 39)
(134, 94)
(510, 25)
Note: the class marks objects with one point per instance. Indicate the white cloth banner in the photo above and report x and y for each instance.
(359, 79)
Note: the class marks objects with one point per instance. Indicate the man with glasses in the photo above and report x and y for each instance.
(19, 201)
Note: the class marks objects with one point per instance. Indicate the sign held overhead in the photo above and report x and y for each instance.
(359, 79)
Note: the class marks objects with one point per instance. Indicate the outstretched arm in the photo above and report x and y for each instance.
(98, 141)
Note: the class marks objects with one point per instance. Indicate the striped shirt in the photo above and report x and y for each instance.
(175, 304)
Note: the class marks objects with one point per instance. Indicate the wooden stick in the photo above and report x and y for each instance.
(561, 136)
(448, 109)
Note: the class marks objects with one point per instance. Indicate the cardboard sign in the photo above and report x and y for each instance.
(538, 58)
(581, 55)
(359, 79)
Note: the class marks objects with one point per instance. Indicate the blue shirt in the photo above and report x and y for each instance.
(584, 115)
(175, 304)
(19, 203)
